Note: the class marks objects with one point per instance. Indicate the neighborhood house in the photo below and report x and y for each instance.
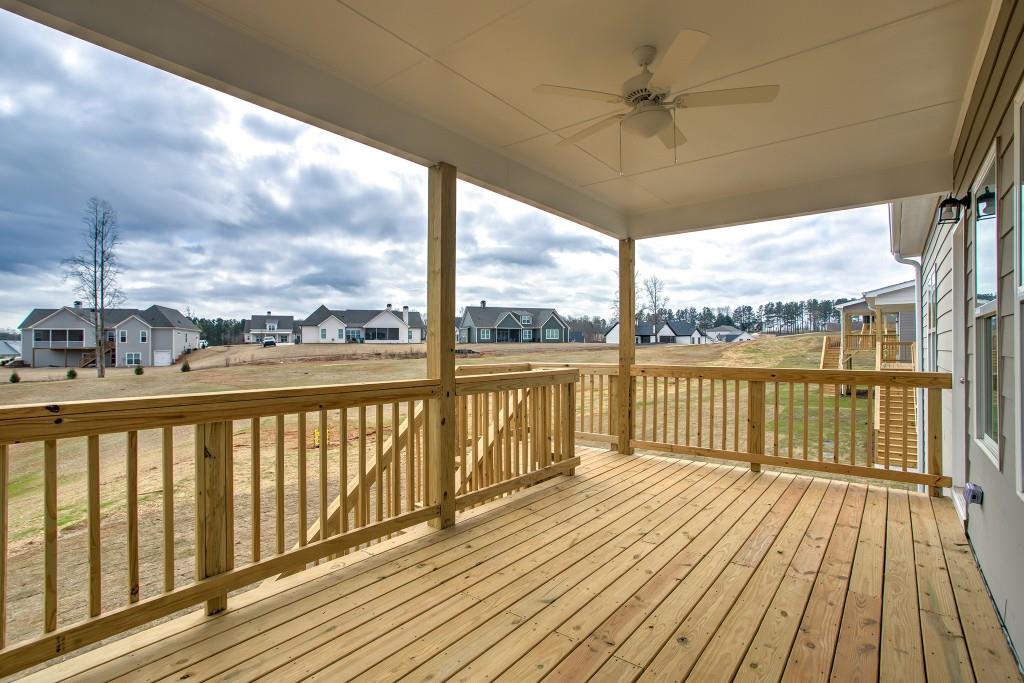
(278, 328)
(485, 324)
(726, 333)
(381, 326)
(66, 336)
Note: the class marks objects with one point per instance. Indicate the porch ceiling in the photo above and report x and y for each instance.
(870, 101)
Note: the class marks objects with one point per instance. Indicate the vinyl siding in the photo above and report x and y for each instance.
(994, 527)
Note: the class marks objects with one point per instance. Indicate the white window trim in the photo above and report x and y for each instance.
(122, 336)
(143, 333)
(323, 333)
(986, 444)
(527, 335)
(1018, 307)
(550, 335)
(527, 319)
(485, 334)
(128, 359)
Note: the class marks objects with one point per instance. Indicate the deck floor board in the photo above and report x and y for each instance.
(638, 568)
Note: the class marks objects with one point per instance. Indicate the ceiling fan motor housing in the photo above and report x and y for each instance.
(647, 121)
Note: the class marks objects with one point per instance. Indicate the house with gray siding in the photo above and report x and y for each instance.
(280, 328)
(65, 337)
(485, 324)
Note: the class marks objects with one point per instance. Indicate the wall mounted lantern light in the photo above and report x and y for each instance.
(951, 208)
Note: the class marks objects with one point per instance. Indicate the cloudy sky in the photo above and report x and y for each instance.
(228, 209)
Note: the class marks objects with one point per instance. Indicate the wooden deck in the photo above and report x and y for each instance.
(639, 567)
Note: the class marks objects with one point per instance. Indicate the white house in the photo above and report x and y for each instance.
(644, 334)
(381, 326)
(727, 333)
(680, 332)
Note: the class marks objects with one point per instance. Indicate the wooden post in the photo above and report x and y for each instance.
(212, 500)
(440, 344)
(627, 349)
(755, 421)
(934, 419)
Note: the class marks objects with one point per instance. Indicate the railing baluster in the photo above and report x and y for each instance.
(396, 460)
(821, 422)
(378, 447)
(475, 479)
(664, 410)
(50, 535)
(869, 440)
(592, 378)
(600, 404)
(506, 400)
(301, 462)
(736, 415)
(853, 424)
(886, 431)
(806, 430)
(254, 487)
(835, 423)
(689, 407)
(725, 414)
(363, 507)
(4, 480)
(95, 547)
(132, 510)
(700, 412)
(279, 479)
(711, 419)
(789, 419)
(675, 410)
(325, 530)
(775, 419)
(904, 427)
(213, 499)
(343, 466)
(643, 402)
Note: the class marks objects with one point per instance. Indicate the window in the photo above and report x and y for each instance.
(408, 335)
(122, 336)
(323, 333)
(341, 333)
(76, 336)
(527, 319)
(143, 336)
(527, 335)
(485, 334)
(381, 333)
(355, 335)
(133, 358)
(110, 335)
(984, 197)
(271, 326)
(552, 335)
(41, 336)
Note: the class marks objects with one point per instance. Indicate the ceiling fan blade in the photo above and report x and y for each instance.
(579, 93)
(670, 68)
(591, 129)
(671, 136)
(758, 94)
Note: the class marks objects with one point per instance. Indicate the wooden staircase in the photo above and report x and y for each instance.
(89, 357)
(896, 424)
(830, 358)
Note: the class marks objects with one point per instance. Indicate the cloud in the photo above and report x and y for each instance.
(229, 209)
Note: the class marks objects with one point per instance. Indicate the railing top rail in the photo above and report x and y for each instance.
(925, 380)
(39, 421)
(503, 381)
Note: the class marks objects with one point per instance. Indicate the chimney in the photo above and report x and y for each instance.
(389, 307)
(78, 305)
(405, 314)
(483, 303)
(268, 312)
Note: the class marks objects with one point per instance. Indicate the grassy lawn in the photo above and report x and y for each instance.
(250, 367)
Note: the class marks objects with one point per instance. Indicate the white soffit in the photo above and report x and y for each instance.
(871, 92)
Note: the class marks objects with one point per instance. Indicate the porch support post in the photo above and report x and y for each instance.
(627, 350)
(440, 345)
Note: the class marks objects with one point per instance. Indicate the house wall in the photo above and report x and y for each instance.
(613, 336)
(389, 321)
(993, 527)
(132, 344)
(311, 333)
(907, 326)
(552, 324)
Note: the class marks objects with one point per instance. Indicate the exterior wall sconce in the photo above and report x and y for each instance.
(987, 202)
(951, 208)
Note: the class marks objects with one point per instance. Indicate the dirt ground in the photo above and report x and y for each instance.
(220, 369)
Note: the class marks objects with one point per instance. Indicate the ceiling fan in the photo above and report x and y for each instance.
(649, 95)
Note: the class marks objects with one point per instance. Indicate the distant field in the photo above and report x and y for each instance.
(252, 367)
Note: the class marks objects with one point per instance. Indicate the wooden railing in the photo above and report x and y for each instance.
(859, 342)
(893, 351)
(364, 445)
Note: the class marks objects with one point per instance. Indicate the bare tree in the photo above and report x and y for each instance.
(656, 299)
(95, 271)
(637, 304)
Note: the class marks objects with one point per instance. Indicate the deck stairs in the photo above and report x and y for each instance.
(830, 358)
(894, 426)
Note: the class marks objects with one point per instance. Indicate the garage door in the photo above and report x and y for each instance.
(161, 358)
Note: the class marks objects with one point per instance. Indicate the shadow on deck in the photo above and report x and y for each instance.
(639, 567)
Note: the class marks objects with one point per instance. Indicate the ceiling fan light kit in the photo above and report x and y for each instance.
(652, 105)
